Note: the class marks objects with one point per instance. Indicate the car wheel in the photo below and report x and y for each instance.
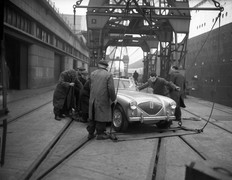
(164, 124)
(120, 122)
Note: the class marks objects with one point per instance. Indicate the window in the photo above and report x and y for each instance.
(17, 20)
(14, 19)
(39, 33)
(22, 23)
(9, 15)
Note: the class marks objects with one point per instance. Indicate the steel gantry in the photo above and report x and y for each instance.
(159, 27)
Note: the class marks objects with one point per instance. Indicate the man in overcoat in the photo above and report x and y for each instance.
(82, 77)
(178, 96)
(64, 94)
(102, 95)
(135, 76)
(84, 102)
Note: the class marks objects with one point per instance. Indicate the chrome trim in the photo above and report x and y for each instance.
(142, 119)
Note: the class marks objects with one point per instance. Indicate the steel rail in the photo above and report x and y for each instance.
(32, 172)
(209, 121)
(136, 16)
(71, 151)
(217, 108)
(27, 112)
(193, 148)
(32, 169)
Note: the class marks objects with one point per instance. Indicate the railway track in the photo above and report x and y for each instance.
(26, 104)
(166, 150)
(35, 172)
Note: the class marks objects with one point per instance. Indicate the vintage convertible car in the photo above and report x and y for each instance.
(135, 106)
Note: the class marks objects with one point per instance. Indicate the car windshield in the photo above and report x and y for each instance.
(124, 84)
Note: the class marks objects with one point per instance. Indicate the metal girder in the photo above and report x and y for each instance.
(148, 22)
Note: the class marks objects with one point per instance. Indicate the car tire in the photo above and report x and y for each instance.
(164, 124)
(120, 123)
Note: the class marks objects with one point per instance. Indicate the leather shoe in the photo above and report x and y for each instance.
(83, 120)
(58, 118)
(91, 136)
(62, 116)
(103, 136)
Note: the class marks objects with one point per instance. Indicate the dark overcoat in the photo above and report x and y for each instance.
(64, 91)
(178, 79)
(160, 86)
(84, 97)
(102, 94)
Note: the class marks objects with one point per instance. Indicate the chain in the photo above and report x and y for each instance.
(218, 5)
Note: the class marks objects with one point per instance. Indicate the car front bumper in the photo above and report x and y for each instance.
(151, 119)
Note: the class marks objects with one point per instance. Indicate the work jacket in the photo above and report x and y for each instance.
(179, 80)
(160, 86)
(64, 92)
(84, 98)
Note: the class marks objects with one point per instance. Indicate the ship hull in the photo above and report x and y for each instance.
(209, 69)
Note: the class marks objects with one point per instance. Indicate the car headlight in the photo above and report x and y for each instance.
(173, 105)
(133, 105)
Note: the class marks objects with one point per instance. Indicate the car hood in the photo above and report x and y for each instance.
(141, 97)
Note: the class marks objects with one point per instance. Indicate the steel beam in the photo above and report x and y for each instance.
(152, 8)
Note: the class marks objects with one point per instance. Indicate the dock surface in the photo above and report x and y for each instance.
(39, 147)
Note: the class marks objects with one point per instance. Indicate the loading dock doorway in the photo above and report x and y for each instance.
(57, 67)
(17, 62)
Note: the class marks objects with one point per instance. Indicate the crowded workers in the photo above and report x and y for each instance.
(102, 95)
(159, 85)
(82, 74)
(64, 94)
(135, 76)
(84, 102)
(178, 96)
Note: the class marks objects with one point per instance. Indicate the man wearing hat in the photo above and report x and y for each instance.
(81, 74)
(64, 95)
(102, 95)
(178, 96)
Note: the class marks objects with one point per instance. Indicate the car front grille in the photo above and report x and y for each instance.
(150, 107)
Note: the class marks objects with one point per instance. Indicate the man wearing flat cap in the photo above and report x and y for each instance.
(81, 75)
(102, 95)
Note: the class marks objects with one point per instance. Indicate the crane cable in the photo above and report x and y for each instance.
(217, 4)
(112, 135)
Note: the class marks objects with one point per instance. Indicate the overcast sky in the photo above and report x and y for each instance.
(66, 6)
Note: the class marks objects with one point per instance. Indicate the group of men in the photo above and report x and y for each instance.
(68, 94)
(93, 97)
(90, 97)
